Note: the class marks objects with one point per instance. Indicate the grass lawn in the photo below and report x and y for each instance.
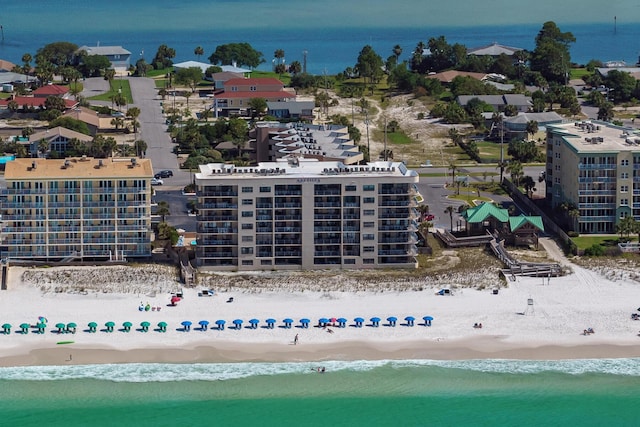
(78, 85)
(395, 138)
(491, 150)
(116, 85)
(159, 73)
(284, 78)
(586, 241)
(469, 197)
(578, 73)
(4, 95)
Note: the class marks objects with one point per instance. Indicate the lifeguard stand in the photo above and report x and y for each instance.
(529, 310)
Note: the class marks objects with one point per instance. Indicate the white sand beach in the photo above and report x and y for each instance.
(551, 328)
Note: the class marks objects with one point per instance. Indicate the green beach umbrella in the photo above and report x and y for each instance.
(92, 326)
(60, 327)
(72, 327)
(25, 328)
(127, 326)
(110, 325)
(162, 326)
(7, 328)
(41, 327)
(145, 326)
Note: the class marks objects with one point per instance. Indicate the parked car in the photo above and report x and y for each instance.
(156, 181)
(164, 174)
(429, 217)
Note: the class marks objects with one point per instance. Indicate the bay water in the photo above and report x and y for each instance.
(356, 393)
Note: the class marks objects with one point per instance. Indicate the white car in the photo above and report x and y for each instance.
(156, 181)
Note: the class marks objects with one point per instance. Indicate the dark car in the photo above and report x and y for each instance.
(164, 174)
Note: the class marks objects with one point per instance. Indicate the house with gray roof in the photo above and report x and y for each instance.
(291, 109)
(493, 50)
(119, 57)
(499, 102)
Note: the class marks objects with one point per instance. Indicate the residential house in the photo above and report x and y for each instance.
(57, 139)
(119, 57)
(299, 110)
(494, 50)
(446, 77)
(499, 102)
(6, 66)
(237, 93)
(97, 123)
(51, 90)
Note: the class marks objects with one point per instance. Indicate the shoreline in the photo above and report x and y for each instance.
(232, 352)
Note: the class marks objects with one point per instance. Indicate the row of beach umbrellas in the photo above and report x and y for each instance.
(287, 323)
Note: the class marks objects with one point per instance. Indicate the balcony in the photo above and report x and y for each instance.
(582, 166)
(288, 217)
(331, 229)
(264, 230)
(219, 206)
(327, 216)
(22, 191)
(219, 194)
(593, 179)
(288, 229)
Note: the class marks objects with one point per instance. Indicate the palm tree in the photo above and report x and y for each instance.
(26, 65)
(516, 171)
(453, 167)
(397, 51)
(423, 210)
(133, 113)
(502, 165)
(529, 185)
(163, 209)
(43, 146)
(198, 51)
(140, 146)
(532, 127)
(450, 210)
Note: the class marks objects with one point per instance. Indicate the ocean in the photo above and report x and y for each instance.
(358, 393)
(331, 38)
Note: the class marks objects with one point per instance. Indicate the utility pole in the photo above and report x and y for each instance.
(385, 138)
(366, 122)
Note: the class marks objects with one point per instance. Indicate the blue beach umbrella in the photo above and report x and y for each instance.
(220, 323)
(342, 322)
(410, 320)
(204, 324)
(427, 320)
(237, 323)
(375, 321)
(254, 323)
(305, 322)
(287, 322)
(270, 322)
(359, 321)
(323, 321)
(186, 325)
(392, 320)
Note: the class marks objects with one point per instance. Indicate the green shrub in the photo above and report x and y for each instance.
(594, 250)
(573, 234)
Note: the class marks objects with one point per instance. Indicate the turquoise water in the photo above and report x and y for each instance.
(400, 393)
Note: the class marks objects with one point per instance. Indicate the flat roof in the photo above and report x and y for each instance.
(77, 168)
(595, 136)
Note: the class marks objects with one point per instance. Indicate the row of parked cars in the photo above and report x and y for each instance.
(157, 178)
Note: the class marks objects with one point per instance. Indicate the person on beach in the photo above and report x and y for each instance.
(295, 340)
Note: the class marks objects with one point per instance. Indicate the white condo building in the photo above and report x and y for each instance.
(299, 213)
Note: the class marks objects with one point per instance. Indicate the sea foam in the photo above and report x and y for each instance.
(165, 372)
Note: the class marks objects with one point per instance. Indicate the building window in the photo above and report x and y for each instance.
(369, 249)
(247, 238)
(247, 189)
(247, 201)
(265, 262)
(369, 224)
(368, 261)
(624, 175)
(349, 261)
(265, 189)
(369, 187)
(247, 262)
(369, 199)
(247, 226)
(234, 88)
(368, 237)
(624, 202)
(369, 212)
(246, 251)
(624, 188)
(253, 88)
(247, 214)
(350, 188)
(624, 162)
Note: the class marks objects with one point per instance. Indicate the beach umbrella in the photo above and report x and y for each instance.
(427, 320)
(110, 325)
(25, 328)
(305, 323)
(42, 319)
(392, 320)
(220, 323)
(71, 327)
(238, 323)
(375, 321)
(323, 321)
(359, 321)
(410, 320)
(41, 327)
(204, 324)
(186, 325)
(60, 327)
(341, 322)
(162, 326)
(6, 328)
(92, 326)
(287, 322)
(145, 326)
(270, 322)
(175, 300)
(127, 326)
(254, 323)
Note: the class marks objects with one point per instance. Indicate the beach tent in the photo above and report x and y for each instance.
(6, 328)
(162, 326)
(238, 323)
(204, 324)
(410, 320)
(270, 322)
(186, 326)
(92, 326)
(392, 321)
(110, 325)
(220, 323)
(145, 326)
(359, 321)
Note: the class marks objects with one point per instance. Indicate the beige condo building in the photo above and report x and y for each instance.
(300, 213)
(77, 209)
(596, 167)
